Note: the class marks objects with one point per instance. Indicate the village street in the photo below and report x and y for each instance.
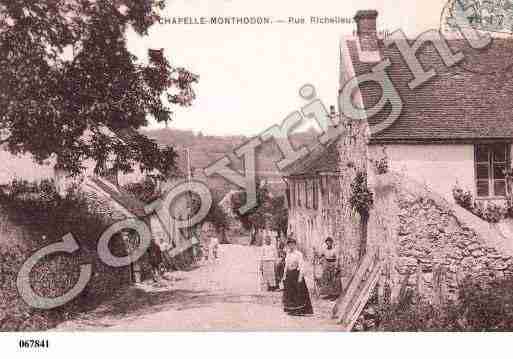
(214, 296)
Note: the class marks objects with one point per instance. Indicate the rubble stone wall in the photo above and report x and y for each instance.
(426, 244)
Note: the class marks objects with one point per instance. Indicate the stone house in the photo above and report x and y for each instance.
(318, 189)
(313, 197)
(456, 128)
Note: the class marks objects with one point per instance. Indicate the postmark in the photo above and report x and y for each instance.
(494, 16)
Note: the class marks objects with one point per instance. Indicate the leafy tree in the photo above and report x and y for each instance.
(69, 83)
(259, 216)
(146, 190)
(279, 214)
(216, 215)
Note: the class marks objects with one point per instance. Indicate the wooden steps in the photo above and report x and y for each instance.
(350, 305)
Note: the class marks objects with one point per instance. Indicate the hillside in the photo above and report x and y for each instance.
(205, 150)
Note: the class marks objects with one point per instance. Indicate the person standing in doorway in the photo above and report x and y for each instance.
(296, 298)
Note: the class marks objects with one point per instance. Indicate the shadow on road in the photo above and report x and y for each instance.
(135, 302)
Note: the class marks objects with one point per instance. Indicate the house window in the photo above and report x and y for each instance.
(491, 161)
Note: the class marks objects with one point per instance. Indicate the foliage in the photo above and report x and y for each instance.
(38, 207)
(362, 198)
(411, 314)
(279, 214)
(480, 307)
(463, 198)
(258, 216)
(42, 217)
(491, 212)
(146, 190)
(216, 214)
(381, 165)
(488, 307)
(72, 83)
(269, 212)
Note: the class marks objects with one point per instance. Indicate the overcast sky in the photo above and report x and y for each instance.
(250, 74)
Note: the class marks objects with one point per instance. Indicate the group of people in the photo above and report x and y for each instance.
(161, 261)
(283, 263)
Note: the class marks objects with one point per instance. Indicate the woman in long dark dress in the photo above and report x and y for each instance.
(296, 298)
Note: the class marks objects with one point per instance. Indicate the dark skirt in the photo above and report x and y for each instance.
(330, 279)
(296, 299)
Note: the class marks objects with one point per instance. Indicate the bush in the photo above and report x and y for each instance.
(44, 217)
(145, 190)
(463, 198)
(480, 307)
(493, 213)
(490, 212)
(487, 306)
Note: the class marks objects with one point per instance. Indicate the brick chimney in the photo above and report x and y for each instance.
(366, 29)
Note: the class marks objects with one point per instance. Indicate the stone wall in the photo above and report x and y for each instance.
(353, 154)
(427, 244)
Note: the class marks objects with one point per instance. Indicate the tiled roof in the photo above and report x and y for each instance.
(320, 159)
(121, 196)
(468, 101)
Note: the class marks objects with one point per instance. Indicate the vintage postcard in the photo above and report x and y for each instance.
(227, 165)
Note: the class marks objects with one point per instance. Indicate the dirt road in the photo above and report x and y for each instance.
(222, 296)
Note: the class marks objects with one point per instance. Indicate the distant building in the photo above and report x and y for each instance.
(313, 194)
